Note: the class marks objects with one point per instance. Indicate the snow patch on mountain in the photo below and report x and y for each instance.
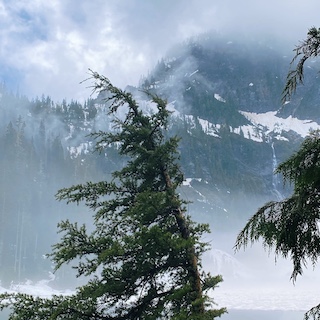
(187, 181)
(194, 72)
(250, 132)
(209, 128)
(261, 126)
(269, 122)
(83, 148)
(219, 98)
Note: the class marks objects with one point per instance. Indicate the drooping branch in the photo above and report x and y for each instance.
(313, 313)
(308, 48)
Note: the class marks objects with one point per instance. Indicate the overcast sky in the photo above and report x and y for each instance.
(47, 46)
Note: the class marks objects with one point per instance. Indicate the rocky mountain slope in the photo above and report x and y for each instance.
(225, 98)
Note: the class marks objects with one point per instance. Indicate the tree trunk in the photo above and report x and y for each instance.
(192, 257)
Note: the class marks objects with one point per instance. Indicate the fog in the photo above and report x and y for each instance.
(257, 284)
(47, 48)
(36, 163)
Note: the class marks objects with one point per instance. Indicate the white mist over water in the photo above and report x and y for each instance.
(252, 281)
(254, 287)
(256, 280)
(42, 288)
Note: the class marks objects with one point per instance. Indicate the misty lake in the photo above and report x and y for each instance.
(241, 315)
(263, 315)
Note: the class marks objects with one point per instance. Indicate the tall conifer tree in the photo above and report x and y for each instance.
(144, 254)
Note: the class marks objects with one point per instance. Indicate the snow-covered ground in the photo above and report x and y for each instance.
(269, 122)
(40, 288)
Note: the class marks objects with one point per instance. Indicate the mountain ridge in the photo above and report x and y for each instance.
(225, 99)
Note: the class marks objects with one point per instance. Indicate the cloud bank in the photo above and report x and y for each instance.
(46, 47)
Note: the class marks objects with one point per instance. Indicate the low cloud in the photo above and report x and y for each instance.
(48, 46)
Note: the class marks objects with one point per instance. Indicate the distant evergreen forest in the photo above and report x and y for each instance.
(38, 141)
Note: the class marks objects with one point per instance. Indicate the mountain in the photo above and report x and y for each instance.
(225, 98)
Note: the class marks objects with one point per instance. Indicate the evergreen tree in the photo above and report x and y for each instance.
(291, 226)
(144, 254)
(308, 48)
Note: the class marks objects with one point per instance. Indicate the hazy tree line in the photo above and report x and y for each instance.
(35, 162)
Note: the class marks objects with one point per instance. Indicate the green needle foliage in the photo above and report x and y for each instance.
(291, 226)
(308, 48)
(143, 256)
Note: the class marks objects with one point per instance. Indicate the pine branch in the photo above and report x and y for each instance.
(313, 313)
(307, 49)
